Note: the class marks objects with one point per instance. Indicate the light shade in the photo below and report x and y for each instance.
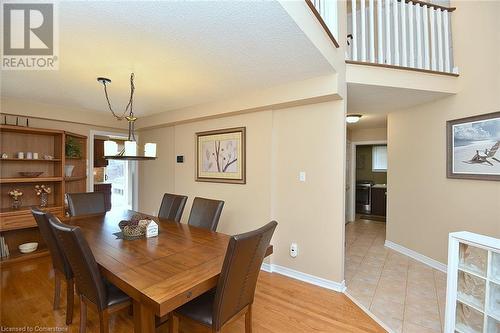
(110, 148)
(352, 118)
(150, 150)
(130, 148)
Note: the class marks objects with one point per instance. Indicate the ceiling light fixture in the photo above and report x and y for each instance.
(352, 118)
(129, 152)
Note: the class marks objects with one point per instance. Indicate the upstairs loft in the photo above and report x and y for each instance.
(404, 34)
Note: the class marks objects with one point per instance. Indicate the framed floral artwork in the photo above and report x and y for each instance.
(220, 156)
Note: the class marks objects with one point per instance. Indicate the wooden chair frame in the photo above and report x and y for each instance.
(70, 292)
(103, 315)
(174, 319)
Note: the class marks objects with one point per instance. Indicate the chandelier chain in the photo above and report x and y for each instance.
(129, 108)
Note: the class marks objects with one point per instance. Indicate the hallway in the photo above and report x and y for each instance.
(408, 296)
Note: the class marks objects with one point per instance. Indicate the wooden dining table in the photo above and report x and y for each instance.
(159, 273)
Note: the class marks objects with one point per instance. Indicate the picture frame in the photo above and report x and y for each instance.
(473, 147)
(221, 156)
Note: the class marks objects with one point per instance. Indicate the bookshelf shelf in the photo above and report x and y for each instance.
(18, 226)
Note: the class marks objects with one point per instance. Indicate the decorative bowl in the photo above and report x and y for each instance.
(28, 247)
(30, 174)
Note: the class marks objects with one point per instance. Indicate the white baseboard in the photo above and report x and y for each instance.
(417, 256)
(369, 313)
(317, 281)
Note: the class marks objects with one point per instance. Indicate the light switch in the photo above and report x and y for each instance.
(302, 176)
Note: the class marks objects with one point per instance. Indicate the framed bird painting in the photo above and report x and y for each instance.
(473, 147)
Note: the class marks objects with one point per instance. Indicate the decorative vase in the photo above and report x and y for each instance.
(68, 170)
(16, 203)
(44, 199)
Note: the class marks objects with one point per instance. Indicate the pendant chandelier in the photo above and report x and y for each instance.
(129, 151)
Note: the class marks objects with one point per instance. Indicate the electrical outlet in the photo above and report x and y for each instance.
(294, 250)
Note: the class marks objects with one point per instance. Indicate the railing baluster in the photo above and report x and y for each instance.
(404, 60)
(363, 29)
(354, 54)
(396, 31)
(411, 22)
(372, 30)
(426, 38)
(406, 33)
(447, 61)
(433, 39)
(380, 29)
(419, 35)
(440, 40)
(388, 51)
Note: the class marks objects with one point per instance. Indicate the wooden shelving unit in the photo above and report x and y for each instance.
(18, 226)
(29, 180)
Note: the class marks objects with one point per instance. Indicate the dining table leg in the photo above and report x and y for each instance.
(144, 318)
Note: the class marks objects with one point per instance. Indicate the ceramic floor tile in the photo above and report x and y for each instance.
(396, 325)
(405, 294)
(422, 315)
(412, 328)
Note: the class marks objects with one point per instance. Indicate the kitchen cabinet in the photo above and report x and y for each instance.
(106, 189)
(379, 201)
(99, 160)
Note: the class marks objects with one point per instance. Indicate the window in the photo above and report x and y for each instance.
(379, 159)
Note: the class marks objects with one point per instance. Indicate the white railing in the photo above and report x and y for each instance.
(405, 33)
(328, 16)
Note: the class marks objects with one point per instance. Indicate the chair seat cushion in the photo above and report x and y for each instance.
(115, 295)
(199, 309)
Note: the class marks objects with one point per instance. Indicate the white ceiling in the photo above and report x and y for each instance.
(182, 54)
(376, 102)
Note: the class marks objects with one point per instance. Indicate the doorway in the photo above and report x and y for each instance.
(116, 178)
(365, 231)
(366, 178)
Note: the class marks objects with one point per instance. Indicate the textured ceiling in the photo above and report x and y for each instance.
(182, 54)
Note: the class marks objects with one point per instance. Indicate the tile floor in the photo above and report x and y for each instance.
(408, 296)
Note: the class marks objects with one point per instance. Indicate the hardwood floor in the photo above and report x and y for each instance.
(281, 305)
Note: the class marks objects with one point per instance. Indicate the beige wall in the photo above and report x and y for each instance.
(367, 134)
(61, 113)
(280, 143)
(424, 205)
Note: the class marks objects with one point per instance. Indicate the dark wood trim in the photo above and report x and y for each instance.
(428, 4)
(29, 130)
(322, 22)
(428, 71)
(241, 180)
(76, 135)
(449, 147)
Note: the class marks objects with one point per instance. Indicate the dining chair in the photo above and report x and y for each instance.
(90, 285)
(205, 213)
(60, 264)
(172, 207)
(86, 203)
(234, 294)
